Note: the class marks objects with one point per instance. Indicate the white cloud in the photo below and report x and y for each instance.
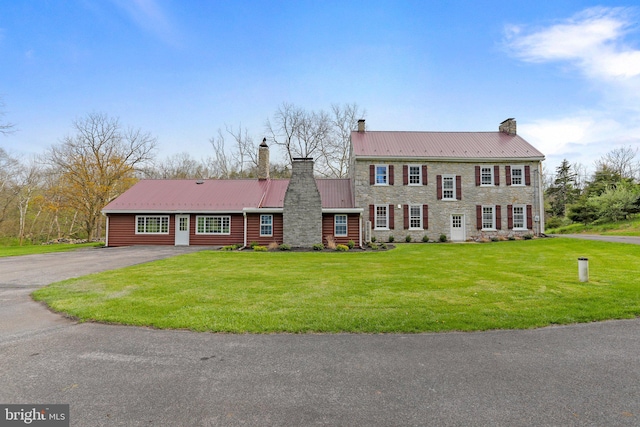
(593, 40)
(149, 15)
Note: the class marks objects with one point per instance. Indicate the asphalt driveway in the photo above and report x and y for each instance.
(113, 375)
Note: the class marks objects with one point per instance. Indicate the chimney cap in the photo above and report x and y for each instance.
(264, 142)
(302, 159)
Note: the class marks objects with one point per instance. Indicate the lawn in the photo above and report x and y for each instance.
(42, 249)
(413, 288)
(629, 227)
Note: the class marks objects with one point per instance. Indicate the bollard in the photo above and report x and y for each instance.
(583, 269)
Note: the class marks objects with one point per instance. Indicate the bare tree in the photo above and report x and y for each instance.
(9, 169)
(98, 163)
(178, 166)
(622, 161)
(335, 152)
(28, 183)
(245, 155)
(5, 127)
(581, 175)
(219, 164)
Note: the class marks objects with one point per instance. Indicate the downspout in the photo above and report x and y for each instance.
(244, 214)
(360, 230)
(106, 236)
(541, 197)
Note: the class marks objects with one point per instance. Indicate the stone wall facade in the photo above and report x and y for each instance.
(440, 211)
(302, 210)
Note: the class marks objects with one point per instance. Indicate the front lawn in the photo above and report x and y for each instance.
(43, 249)
(413, 288)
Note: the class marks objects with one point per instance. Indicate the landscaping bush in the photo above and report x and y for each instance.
(383, 246)
(373, 246)
(443, 238)
(511, 238)
(351, 244)
(373, 239)
(258, 248)
(229, 248)
(391, 238)
(495, 239)
(253, 244)
(273, 246)
(408, 238)
(342, 248)
(284, 247)
(318, 247)
(527, 236)
(425, 239)
(331, 242)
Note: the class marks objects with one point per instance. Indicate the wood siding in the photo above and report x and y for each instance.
(235, 237)
(253, 229)
(353, 228)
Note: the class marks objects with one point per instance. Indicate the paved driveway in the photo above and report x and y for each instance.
(112, 375)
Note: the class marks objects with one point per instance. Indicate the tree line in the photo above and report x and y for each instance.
(60, 193)
(611, 193)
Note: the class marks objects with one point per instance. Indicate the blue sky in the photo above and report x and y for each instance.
(568, 71)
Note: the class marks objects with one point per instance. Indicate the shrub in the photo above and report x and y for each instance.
(273, 246)
(259, 248)
(253, 244)
(527, 236)
(373, 239)
(284, 247)
(318, 247)
(373, 246)
(391, 238)
(230, 248)
(443, 238)
(351, 244)
(383, 246)
(331, 242)
(495, 239)
(342, 248)
(511, 238)
(425, 238)
(408, 238)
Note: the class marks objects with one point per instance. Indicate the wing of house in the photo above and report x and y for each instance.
(465, 185)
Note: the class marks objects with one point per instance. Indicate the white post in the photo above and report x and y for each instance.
(583, 269)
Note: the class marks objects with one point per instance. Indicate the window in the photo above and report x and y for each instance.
(213, 225)
(448, 187)
(152, 224)
(415, 217)
(340, 225)
(488, 218)
(266, 225)
(486, 176)
(518, 216)
(517, 175)
(382, 220)
(382, 175)
(415, 175)
(183, 224)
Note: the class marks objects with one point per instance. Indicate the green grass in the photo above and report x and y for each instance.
(629, 227)
(413, 288)
(42, 249)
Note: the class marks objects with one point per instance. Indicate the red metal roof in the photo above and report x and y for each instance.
(232, 195)
(445, 145)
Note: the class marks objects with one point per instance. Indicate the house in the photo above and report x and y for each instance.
(300, 211)
(465, 185)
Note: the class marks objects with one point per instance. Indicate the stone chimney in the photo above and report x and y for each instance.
(361, 125)
(263, 160)
(508, 126)
(302, 209)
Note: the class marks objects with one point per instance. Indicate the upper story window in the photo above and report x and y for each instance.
(382, 175)
(415, 175)
(213, 225)
(152, 224)
(448, 187)
(517, 175)
(486, 175)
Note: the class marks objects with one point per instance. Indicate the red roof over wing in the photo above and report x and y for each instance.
(449, 145)
(230, 195)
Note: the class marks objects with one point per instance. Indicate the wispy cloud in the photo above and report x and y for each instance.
(593, 40)
(150, 17)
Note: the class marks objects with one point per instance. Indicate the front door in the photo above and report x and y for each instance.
(457, 228)
(182, 230)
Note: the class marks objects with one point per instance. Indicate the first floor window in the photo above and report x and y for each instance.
(381, 217)
(518, 216)
(266, 225)
(488, 218)
(152, 224)
(213, 225)
(415, 216)
(340, 225)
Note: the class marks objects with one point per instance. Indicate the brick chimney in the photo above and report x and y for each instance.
(263, 160)
(302, 208)
(361, 125)
(508, 126)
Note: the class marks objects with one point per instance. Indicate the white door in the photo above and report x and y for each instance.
(182, 230)
(457, 228)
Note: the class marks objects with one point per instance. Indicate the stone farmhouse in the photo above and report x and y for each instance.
(465, 185)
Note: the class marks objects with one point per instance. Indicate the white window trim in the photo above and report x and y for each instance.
(420, 227)
(375, 175)
(492, 177)
(523, 183)
(204, 233)
(270, 225)
(453, 177)
(493, 218)
(419, 175)
(346, 225)
(375, 217)
(524, 217)
(145, 225)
